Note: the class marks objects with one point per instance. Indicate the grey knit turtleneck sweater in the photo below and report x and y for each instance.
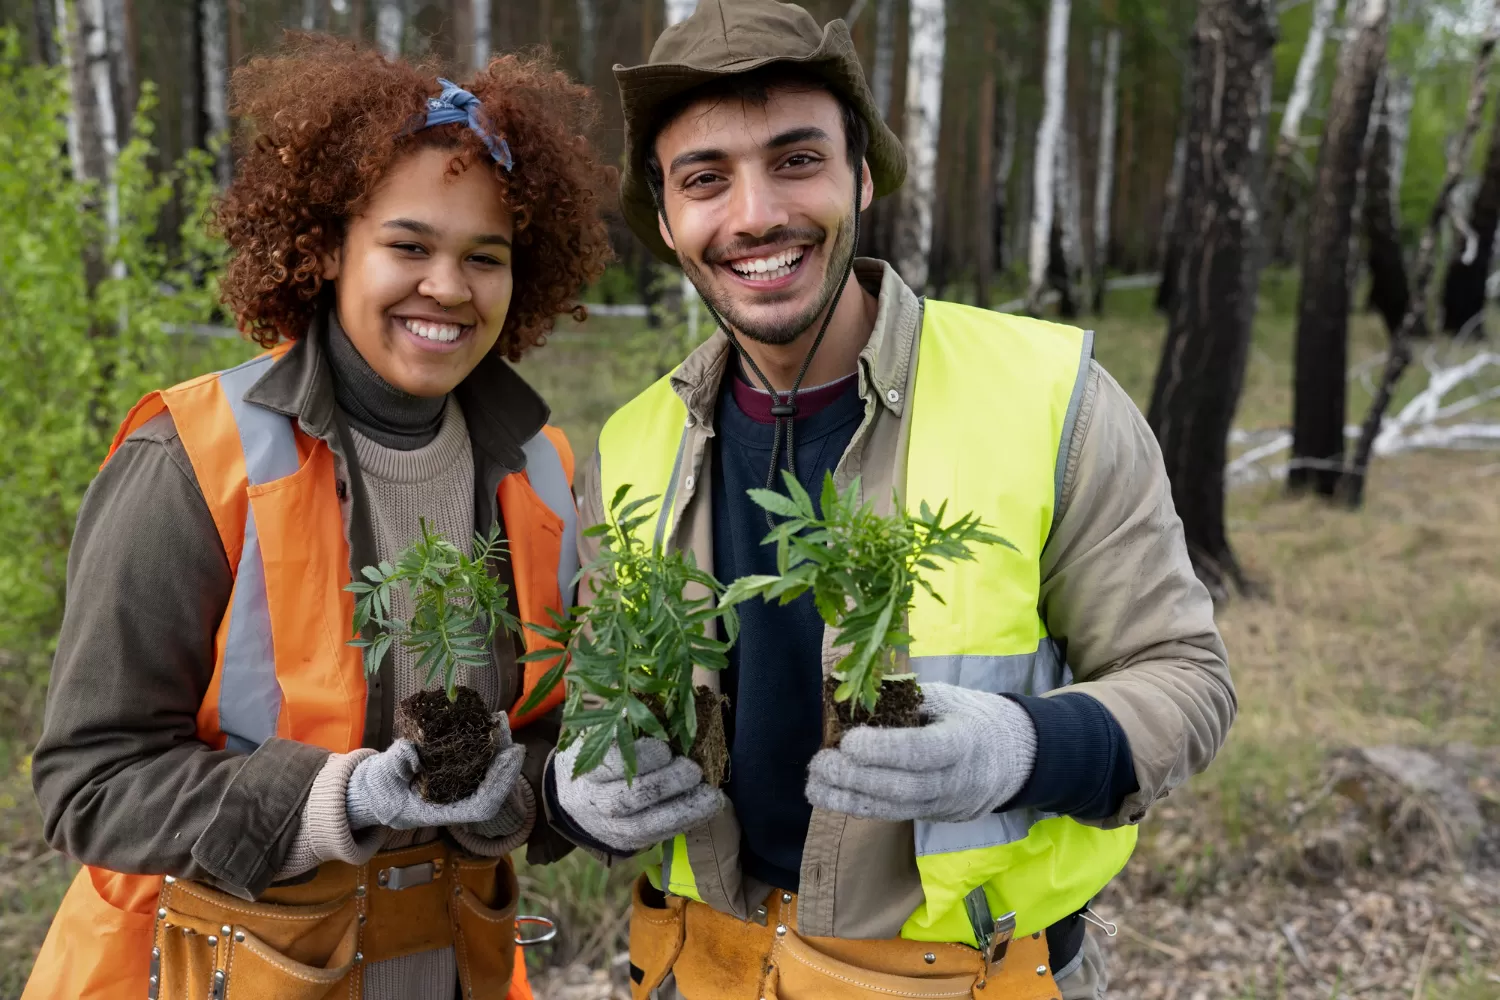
(416, 463)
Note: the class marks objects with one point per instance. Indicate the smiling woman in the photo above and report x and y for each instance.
(214, 751)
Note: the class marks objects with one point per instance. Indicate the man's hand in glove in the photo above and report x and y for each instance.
(667, 796)
(381, 793)
(975, 753)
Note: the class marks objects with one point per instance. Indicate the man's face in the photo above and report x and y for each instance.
(760, 201)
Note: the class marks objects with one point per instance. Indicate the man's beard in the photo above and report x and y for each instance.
(783, 331)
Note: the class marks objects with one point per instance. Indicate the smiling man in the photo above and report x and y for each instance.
(1068, 683)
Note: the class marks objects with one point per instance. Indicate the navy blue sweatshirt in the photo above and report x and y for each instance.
(774, 679)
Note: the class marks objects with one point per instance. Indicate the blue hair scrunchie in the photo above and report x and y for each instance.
(455, 105)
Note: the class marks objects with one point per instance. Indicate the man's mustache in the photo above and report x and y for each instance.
(775, 238)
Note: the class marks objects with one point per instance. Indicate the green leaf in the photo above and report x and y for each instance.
(774, 502)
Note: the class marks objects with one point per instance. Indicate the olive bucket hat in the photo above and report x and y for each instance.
(724, 38)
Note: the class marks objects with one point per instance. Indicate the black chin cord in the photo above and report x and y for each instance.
(784, 407)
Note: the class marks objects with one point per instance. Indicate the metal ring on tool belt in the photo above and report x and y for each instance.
(547, 925)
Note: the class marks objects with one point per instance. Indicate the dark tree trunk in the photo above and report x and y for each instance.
(1217, 272)
(1390, 292)
(44, 22)
(1318, 405)
(1463, 288)
(1058, 276)
(984, 181)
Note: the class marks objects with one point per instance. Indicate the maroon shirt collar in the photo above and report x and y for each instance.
(756, 403)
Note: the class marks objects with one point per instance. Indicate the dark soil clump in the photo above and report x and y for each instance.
(455, 742)
(899, 707)
(711, 746)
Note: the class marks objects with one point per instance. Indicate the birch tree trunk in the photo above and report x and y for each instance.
(1464, 285)
(676, 11)
(1048, 136)
(479, 18)
(1280, 198)
(1169, 250)
(1005, 161)
(927, 41)
(119, 29)
(588, 26)
(1104, 184)
(1400, 94)
(885, 56)
(1318, 405)
(1390, 293)
(214, 48)
(1399, 354)
(390, 26)
(1067, 274)
(984, 184)
(1218, 272)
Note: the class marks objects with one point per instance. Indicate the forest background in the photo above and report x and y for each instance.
(1275, 216)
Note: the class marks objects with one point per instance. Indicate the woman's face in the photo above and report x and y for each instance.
(424, 279)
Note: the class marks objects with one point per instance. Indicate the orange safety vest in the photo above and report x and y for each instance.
(282, 665)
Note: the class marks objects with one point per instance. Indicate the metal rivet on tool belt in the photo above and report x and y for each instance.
(361, 918)
(153, 980)
(239, 935)
(929, 958)
(359, 890)
(156, 953)
(786, 897)
(212, 941)
(780, 929)
(1041, 970)
(893, 396)
(359, 956)
(224, 930)
(384, 878)
(168, 879)
(161, 914)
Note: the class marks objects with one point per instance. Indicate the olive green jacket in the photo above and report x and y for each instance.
(1117, 590)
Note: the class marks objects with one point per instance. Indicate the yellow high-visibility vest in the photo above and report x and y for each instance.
(991, 414)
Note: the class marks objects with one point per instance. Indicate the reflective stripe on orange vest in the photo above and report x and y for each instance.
(283, 666)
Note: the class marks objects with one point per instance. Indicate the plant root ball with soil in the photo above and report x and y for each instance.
(455, 742)
(711, 744)
(899, 707)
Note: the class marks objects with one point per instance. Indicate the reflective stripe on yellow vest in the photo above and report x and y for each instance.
(990, 416)
(283, 665)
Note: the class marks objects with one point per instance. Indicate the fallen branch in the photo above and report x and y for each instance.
(1352, 484)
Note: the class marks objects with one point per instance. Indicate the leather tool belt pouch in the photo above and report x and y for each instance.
(313, 940)
(714, 956)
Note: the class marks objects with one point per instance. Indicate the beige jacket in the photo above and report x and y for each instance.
(1116, 587)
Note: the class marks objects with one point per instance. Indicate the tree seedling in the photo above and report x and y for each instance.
(629, 654)
(457, 609)
(863, 570)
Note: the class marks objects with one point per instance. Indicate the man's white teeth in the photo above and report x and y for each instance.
(769, 268)
(440, 332)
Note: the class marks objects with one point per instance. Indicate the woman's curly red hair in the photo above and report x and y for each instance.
(329, 119)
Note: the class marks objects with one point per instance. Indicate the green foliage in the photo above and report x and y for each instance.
(457, 607)
(75, 356)
(863, 570)
(635, 644)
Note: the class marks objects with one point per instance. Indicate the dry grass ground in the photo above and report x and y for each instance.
(1376, 627)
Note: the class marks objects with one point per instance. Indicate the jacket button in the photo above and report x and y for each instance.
(341, 488)
(689, 482)
(893, 396)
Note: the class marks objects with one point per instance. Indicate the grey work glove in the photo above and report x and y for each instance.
(975, 753)
(381, 793)
(667, 796)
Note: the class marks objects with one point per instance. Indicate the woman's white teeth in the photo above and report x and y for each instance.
(440, 332)
(769, 268)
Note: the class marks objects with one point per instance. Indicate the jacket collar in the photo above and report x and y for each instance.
(884, 362)
(502, 411)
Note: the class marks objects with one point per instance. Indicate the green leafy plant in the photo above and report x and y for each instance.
(629, 654)
(863, 569)
(457, 607)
